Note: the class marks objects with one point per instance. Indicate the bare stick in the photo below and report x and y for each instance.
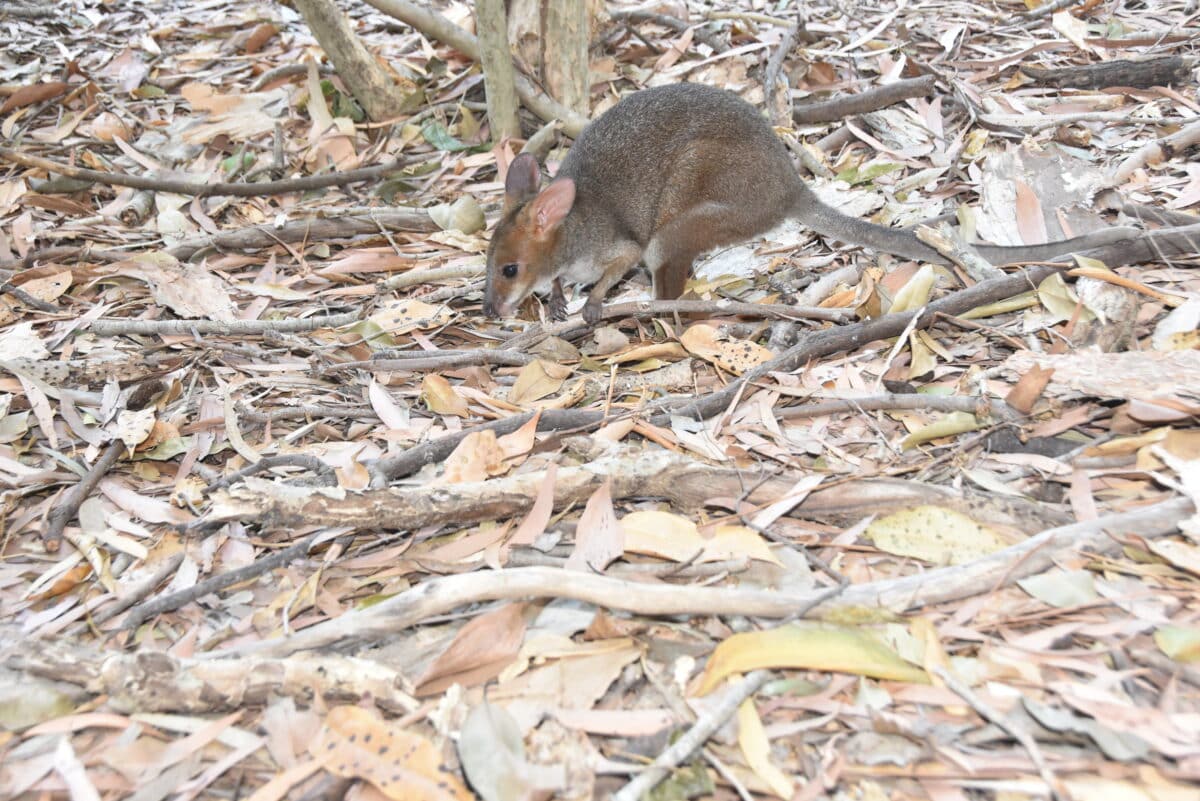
(933, 403)
(771, 76)
(268, 235)
(435, 361)
(166, 603)
(66, 508)
(675, 24)
(203, 188)
(1159, 71)
(1001, 568)
(119, 327)
(325, 475)
(413, 459)
(871, 100)
(694, 738)
(1157, 151)
(1017, 732)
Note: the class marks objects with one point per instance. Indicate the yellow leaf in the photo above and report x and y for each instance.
(656, 350)
(670, 536)
(934, 534)
(536, 380)
(915, 292)
(946, 426)
(813, 646)
(661, 534)
(1183, 555)
(403, 766)
(441, 398)
(1060, 300)
(923, 360)
(757, 750)
(730, 542)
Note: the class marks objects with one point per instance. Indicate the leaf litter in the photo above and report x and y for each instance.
(153, 641)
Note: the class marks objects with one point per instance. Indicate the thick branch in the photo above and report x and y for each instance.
(839, 108)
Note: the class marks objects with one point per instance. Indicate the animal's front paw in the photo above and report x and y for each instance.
(558, 302)
(591, 311)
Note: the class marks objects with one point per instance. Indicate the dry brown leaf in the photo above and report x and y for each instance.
(477, 654)
(356, 744)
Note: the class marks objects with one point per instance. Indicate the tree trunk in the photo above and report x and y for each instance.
(565, 53)
(491, 23)
(552, 37)
(371, 85)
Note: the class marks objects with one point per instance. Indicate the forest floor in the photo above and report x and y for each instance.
(286, 515)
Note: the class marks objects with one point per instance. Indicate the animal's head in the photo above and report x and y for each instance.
(521, 256)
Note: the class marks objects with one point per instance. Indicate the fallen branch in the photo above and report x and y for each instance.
(1157, 152)
(1158, 71)
(121, 327)
(442, 595)
(980, 407)
(694, 738)
(1150, 246)
(839, 108)
(155, 681)
(318, 229)
(686, 483)
(204, 188)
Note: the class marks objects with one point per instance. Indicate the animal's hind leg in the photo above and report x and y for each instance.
(675, 245)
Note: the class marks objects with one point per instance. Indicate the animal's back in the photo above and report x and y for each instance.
(667, 147)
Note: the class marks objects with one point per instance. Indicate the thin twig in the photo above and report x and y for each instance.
(325, 474)
(694, 738)
(1017, 732)
(166, 603)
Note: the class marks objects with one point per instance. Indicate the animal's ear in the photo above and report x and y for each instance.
(550, 207)
(522, 180)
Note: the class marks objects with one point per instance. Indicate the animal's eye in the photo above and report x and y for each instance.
(509, 271)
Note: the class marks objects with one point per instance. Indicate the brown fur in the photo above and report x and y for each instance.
(663, 176)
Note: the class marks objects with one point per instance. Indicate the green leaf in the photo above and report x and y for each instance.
(436, 134)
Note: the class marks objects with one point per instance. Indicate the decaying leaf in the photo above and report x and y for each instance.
(357, 744)
(733, 356)
(934, 534)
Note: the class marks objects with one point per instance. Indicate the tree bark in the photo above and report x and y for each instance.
(371, 85)
(491, 25)
(565, 53)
